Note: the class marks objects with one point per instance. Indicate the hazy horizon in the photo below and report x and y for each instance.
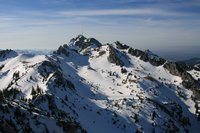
(158, 25)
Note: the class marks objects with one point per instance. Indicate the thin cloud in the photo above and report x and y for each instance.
(115, 12)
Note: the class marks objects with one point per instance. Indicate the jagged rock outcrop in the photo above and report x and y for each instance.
(47, 67)
(197, 67)
(1, 67)
(145, 56)
(80, 42)
(185, 66)
(135, 52)
(188, 81)
(62, 50)
(8, 53)
(60, 81)
(157, 62)
(113, 57)
(121, 46)
(174, 68)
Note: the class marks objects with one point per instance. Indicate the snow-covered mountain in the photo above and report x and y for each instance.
(86, 86)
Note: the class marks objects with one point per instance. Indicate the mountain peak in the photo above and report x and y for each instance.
(120, 45)
(8, 53)
(151, 54)
(114, 89)
(80, 42)
(80, 36)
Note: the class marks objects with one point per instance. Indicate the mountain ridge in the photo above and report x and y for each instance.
(86, 86)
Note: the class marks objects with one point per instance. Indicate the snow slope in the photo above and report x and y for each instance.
(87, 86)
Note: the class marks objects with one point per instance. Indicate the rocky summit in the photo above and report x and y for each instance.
(89, 87)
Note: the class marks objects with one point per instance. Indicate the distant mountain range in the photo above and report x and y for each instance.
(35, 52)
(192, 61)
(86, 86)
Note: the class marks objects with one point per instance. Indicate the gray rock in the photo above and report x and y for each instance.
(82, 42)
(135, 52)
(154, 60)
(188, 81)
(121, 46)
(62, 50)
(174, 68)
(8, 53)
(113, 58)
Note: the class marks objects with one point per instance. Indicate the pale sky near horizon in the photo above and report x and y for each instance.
(147, 24)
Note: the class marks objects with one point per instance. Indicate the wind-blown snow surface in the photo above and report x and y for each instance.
(96, 94)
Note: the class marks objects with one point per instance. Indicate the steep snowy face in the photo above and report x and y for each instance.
(34, 95)
(89, 87)
(17, 69)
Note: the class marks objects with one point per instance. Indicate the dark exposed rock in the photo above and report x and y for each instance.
(113, 57)
(188, 81)
(156, 62)
(61, 81)
(178, 69)
(12, 93)
(174, 68)
(197, 67)
(62, 50)
(3, 53)
(69, 127)
(82, 42)
(185, 66)
(8, 53)
(51, 104)
(135, 52)
(123, 70)
(1, 67)
(46, 68)
(174, 110)
(102, 53)
(153, 59)
(121, 46)
(94, 41)
(48, 64)
(7, 127)
(1, 96)
(144, 57)
(186, 76)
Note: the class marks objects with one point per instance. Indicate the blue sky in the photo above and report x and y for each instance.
(146, 24)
